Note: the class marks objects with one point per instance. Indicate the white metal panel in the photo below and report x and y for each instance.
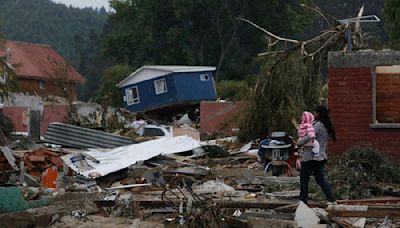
(142, 75)
(149, 72)
(125, 156)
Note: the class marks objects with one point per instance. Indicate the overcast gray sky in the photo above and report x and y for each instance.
(85, 3)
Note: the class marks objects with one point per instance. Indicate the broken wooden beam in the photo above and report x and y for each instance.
(156, 202)
(371, 200)
(365, 214)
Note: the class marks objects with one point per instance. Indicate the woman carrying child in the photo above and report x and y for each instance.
(313, 140)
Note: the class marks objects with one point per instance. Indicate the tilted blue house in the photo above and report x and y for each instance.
(152, 87)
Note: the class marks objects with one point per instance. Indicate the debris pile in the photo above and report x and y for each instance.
(174, 181)
(39, 160)
(364, 172)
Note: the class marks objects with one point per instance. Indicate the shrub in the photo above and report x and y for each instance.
(360, 171)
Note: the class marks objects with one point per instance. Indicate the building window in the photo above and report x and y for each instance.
(42, 84)
(386, 97)
(204, 77)
(132, 95)
(160, 86)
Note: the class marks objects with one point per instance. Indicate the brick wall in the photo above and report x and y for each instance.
(350, 102)
(18, 116)
(51, 113)
(50, 88)
(218, 117)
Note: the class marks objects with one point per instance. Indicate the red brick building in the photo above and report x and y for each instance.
(218, 117)
(364, 99)
(41, 70)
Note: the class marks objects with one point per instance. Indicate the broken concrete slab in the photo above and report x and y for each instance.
(305, 216)
(214, 187)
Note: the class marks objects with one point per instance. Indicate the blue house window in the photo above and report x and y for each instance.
(132, 95)
(204, 77)
(160, 86)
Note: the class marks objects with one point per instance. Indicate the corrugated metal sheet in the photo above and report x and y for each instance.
(78, 137)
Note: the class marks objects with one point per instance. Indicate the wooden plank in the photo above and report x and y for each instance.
(286, 216)
(128, 186)
(220, 204)
(155, 202)
(342, 223)
(366, 214)
(371, 200)
(9, 156)
(178, 157)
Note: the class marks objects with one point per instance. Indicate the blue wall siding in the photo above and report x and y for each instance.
(191, 88)
(148, 97)
(182, 87)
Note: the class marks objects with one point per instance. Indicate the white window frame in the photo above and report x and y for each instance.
(204, 77)
(375, 124)
(156, 88)
(129, 99)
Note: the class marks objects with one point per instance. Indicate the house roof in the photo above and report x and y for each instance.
(145, 73)
(37, 61)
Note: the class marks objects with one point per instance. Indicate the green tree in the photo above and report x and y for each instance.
(72, 32)
(232, 89)
(108, 93)
(392, 19)
(45, 22)
(198, 32)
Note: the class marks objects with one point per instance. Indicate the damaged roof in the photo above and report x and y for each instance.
(153, 71)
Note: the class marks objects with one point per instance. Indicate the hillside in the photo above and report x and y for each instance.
(43, 21)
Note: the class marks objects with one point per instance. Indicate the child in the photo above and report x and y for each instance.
(306, 128)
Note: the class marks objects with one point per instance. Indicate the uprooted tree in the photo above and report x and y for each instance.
(291, 79)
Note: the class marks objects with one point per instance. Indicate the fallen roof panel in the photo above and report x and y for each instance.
(79, 137)
(125, 156)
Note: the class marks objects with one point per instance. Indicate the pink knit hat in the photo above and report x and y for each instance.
(307, 118)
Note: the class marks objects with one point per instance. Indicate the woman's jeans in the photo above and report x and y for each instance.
(316, 168)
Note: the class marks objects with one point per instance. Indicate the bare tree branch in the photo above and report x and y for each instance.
(318, 11)
(270, 33)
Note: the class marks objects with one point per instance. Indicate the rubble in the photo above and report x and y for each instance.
(39, 160)
(170, 181)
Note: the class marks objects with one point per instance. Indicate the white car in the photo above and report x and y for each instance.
(151, 130)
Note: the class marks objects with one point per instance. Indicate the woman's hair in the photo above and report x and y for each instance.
(326, 120)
